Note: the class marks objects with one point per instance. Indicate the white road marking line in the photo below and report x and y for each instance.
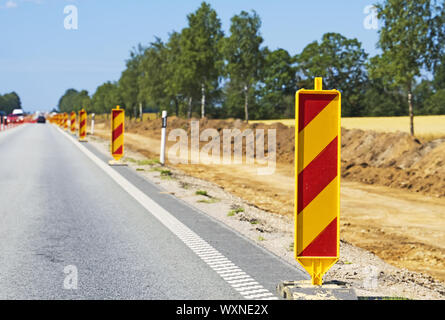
(221, 264)
(254, 291)
(214, 259)
(260, 295)
(186, 235)
(237, 277)
(248, 288)
(207, 257)
(225, 268)
(197, 251)
(239, 281)
(224, 273)
(245, 284)
(239, 273)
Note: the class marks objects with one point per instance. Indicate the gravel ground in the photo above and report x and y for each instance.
(365, 272)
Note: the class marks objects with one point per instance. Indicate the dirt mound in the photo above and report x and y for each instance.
(395, 160)
(284, 135)
(389, 159)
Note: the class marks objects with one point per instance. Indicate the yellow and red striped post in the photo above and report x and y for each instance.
(73, 122)
(317, 179)
(117, 134)
(65, 121)
(82, 125)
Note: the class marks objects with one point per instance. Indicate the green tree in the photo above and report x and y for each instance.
(422, 92)
(152, 81)
(9, 102)
(174, 70)
(279, 85)
(341, 63)
(439, 75)
(411, 39)
(379, 101)
(3, 104)
(436, 103)
(106, 97)
(81, 100)
(201, 51)
(128, 82)
(67, 102)
(245, 58)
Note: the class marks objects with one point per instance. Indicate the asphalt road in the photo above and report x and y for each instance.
(58, 208)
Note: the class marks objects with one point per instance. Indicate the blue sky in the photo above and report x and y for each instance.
(40, 59)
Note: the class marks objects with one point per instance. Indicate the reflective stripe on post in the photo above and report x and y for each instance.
(73, 122)
(65, 121)
(82, 125)
(317, 179)
(92, 123)
(117, 133)
(163, 133)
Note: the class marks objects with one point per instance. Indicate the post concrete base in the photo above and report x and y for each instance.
(116, 163)
(304, 290)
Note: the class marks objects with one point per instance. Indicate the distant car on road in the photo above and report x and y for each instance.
(41, 119)
(17, 116)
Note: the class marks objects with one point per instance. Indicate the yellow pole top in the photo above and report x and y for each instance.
(117, 107)
(319, 83)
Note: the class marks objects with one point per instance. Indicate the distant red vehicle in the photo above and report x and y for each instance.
(17, 116)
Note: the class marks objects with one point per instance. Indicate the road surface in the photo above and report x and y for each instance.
(63, 216)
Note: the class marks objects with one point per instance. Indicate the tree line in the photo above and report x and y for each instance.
(200, 71)
(9, 102)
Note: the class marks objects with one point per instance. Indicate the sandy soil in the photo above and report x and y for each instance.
(403, 228)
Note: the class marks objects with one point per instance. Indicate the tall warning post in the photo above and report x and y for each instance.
(117, 135)
(317, 179)
(65, 121)
(73, 122)
(82, 125)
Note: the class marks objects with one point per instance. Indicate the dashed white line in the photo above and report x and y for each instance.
(186, 235)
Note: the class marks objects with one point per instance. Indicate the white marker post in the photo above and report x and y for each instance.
(164, 126)
(92, 124)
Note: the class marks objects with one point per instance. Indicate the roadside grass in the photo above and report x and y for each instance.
(166, 174)
(202, 193)
(184, 185)
(209, 199)
(235, 211)
(145, 162)
(148, 162)
(291, 247)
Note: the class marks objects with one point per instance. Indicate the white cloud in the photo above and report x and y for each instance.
(34, 1)
(10, 4)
